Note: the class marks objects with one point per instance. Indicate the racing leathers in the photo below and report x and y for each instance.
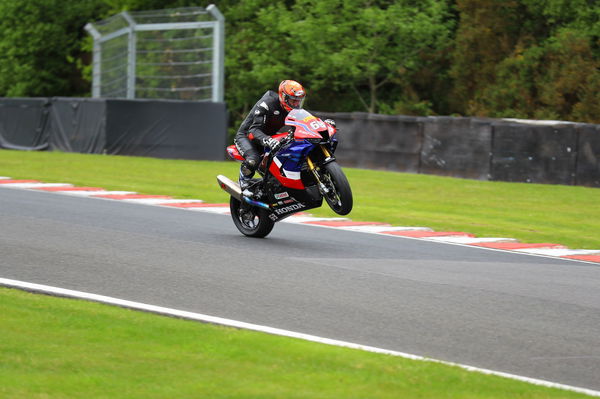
(265, 119)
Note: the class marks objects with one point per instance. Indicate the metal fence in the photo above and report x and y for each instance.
(162, 54)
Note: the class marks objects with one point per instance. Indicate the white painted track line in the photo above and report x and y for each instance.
(304, 219)
(469, 240)
(159, 201)
(379, 229)
(558, 251)
(38, 288)
(36, 185)
(94, 193)
(211, 209)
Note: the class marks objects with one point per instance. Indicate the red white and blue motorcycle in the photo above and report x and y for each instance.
(294, 178)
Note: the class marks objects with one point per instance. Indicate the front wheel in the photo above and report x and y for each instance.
(250, 220)
(339, 194)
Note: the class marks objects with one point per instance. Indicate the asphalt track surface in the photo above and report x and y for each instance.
(527, 315)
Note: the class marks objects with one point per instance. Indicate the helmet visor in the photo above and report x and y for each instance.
(295, 102)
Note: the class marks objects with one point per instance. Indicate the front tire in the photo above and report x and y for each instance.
(250, 220)
(339, 197)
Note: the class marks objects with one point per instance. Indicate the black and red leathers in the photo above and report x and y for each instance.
(265, 119)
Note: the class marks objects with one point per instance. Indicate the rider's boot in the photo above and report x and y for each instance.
(246, 173)
(251, 188)
(245, 185)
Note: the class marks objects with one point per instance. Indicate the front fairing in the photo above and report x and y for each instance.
(308, 127)
(294, 155)
(306, 135)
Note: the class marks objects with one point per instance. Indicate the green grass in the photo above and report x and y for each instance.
(59, 348)
(568, 215)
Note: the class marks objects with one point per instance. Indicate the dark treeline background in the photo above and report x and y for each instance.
(499, 58)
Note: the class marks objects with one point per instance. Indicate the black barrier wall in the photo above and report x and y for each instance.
(476, 148)
(24, 123)
(534, 153)
(166, 129)
(587, 171)
(154, 128)
(458, 147)
(77, 125)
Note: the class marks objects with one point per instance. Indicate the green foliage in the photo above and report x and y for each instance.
(541, 59)
(557, 80)
(338, 49)
(39, 43)
(517, 58)
(488, 31)
(352, 41)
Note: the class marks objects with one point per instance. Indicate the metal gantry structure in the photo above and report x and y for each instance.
(165, 54)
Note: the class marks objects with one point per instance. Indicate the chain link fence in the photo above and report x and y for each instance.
(160, 54)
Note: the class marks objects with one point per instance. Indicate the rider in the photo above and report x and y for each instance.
(264, 120)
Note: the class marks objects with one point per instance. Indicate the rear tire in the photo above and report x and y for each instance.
(339, 197)
(250, 220)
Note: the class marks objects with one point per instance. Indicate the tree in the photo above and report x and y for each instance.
(529, 59)
(558, 79)
(345, 51)
(525, 58)
(488, 32)
(362, 47)
(39, 43)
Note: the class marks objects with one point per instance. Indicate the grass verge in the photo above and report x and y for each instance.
(60, 348)
(567, 215)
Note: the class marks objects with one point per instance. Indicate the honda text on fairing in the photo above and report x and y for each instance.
(294, 178)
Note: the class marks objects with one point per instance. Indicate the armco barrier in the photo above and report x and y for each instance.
(155, 128)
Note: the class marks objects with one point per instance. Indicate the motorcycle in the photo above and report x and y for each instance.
(295, 178)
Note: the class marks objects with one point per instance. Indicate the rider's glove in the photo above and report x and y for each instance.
(330, 122)
(271, 143)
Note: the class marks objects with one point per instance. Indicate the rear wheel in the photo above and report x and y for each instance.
(339, 193)
(250, 220)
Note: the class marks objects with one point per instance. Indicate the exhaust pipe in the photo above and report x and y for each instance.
(231, 187)
(257, 203)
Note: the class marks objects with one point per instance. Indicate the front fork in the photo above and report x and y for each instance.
(322, 188)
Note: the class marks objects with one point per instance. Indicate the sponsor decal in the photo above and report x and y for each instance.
(282, 195)
(264, 105)
(290, 208)
(273, 217)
